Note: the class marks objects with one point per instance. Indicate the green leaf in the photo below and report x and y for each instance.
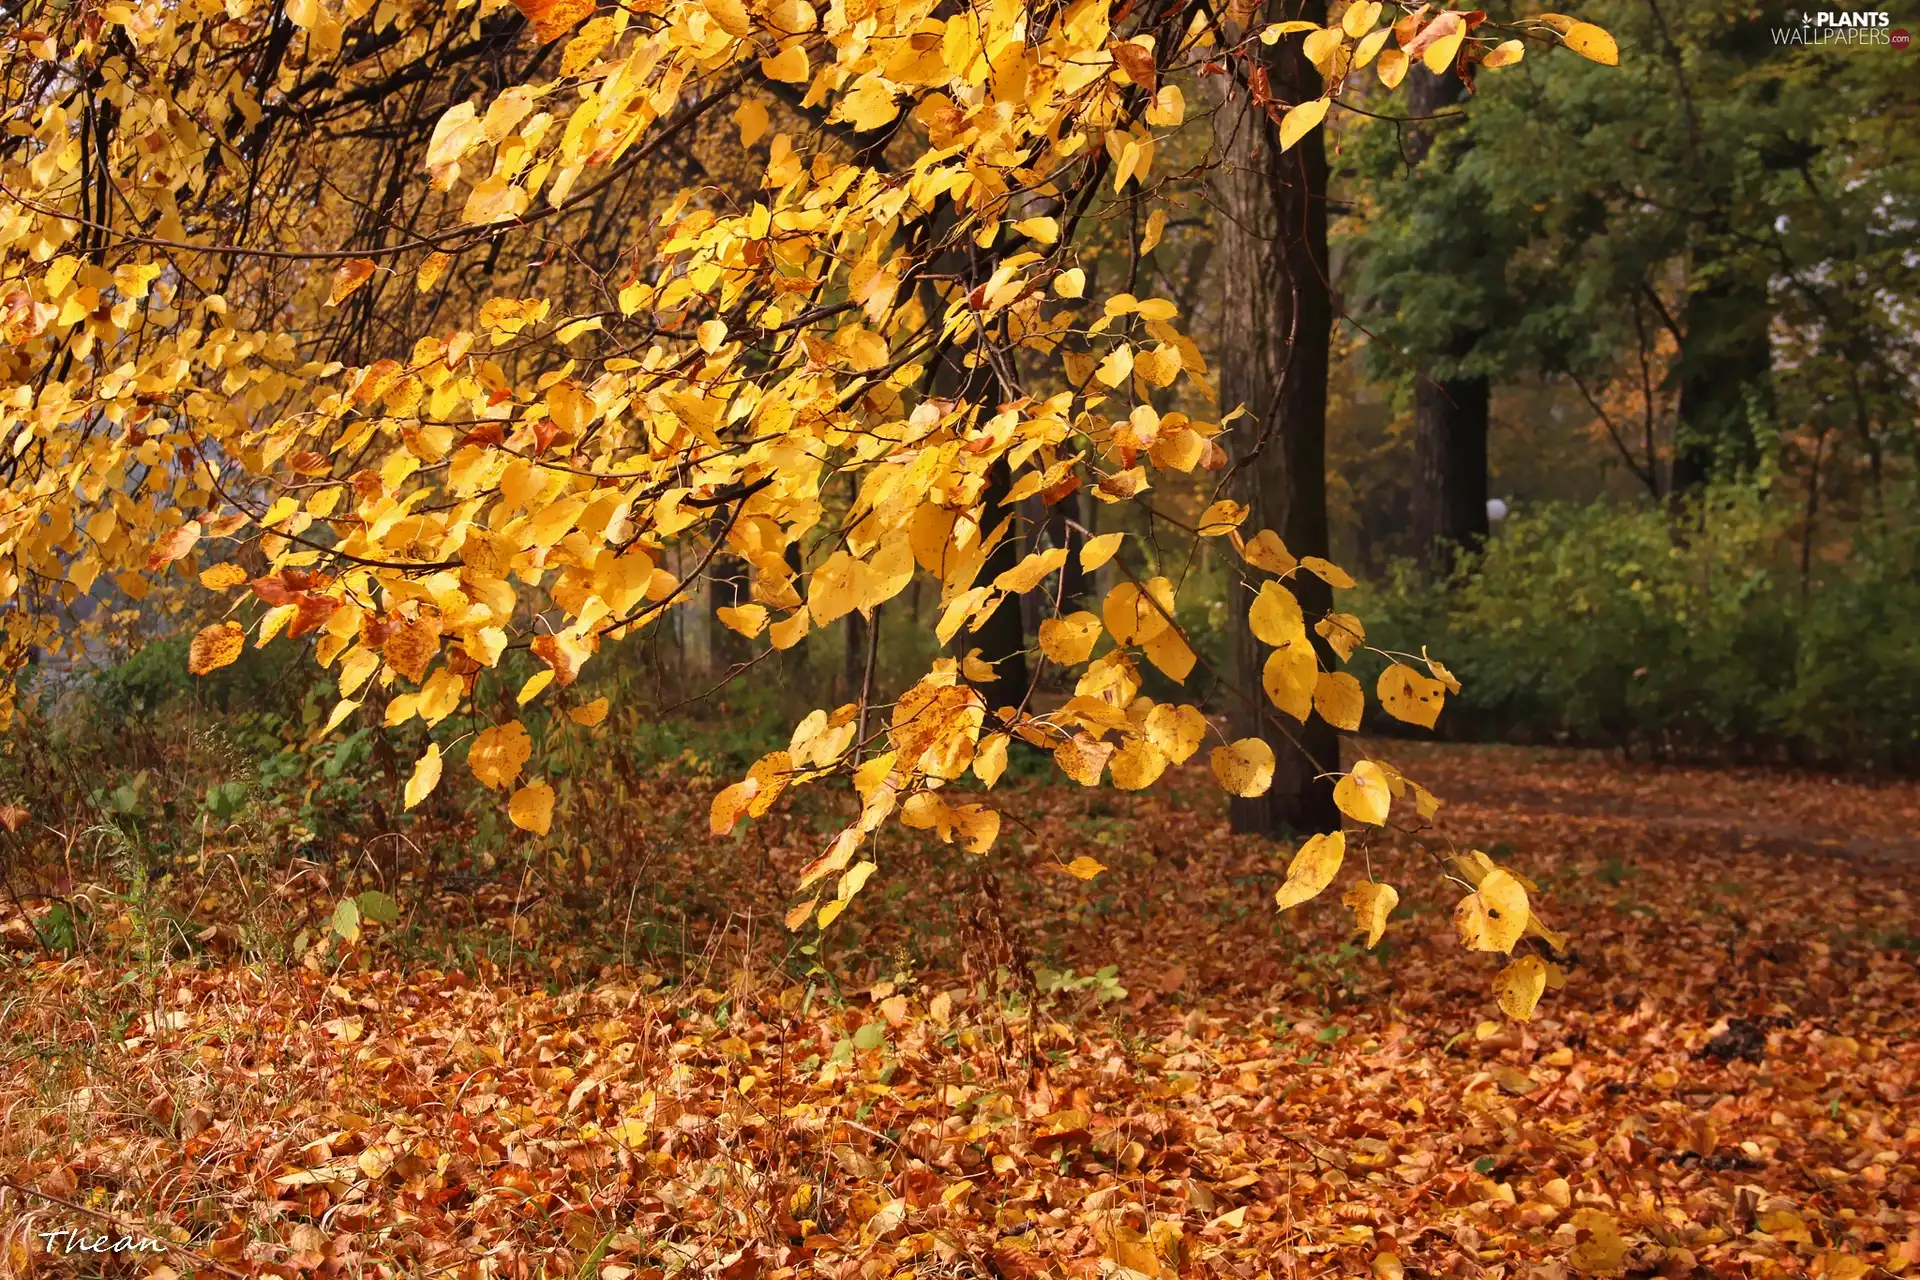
(346, 920)
(870, 1036)
(378, 907)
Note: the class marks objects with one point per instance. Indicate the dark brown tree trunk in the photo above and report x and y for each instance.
(1449, 413)
(1725, 360)
(1001, 639)
(1276, 322)
(1450, 454)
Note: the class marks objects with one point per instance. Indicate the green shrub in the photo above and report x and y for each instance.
(1675, 636)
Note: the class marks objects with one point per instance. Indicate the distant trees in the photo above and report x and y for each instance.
(1706, 247)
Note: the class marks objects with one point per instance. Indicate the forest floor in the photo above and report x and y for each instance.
(1192, 1084)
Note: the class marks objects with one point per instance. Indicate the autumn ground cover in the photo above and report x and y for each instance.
(560, 1071)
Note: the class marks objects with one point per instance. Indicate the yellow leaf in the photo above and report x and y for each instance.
(1097, 551)
(1330, 573)
(173, 544)
(1597, 1243)
(1264, 550)
(341, 710)
(730, 805)
(1273, 33)
(1031, 571)
(990, 759)
(751, 116)
(1494, 916)
(1372, 903)
(1343, 633)
(1440, 54)
(222, 576)
(835, 589)
(1301, 120)
(535, 686)
(531, 808)
(498, 753)
(1169, 651)
(975, 827)
(1177, 731)
(770, 775)
(1135, 616)
(1370, 47)
(431, 270)
(1835, 1265)
(1312, 869)
(349, 276)
(1504, 54)
(1785, 1225)
(1071, 283)
(1137, 765)
(1157, 220)
(730, 16)
(748, 619)
(1069, 640)
(1245, 768)
(1393, 68)
(215, 647)
(1222, 517)
(1339, 700)
(1275, 616)
(585, 47)
(790, 630)
(1041, 230)
(1360, 17)
(1592, 42)
(425, 776)
(1519, 986)
(1363, 795)
(1117, 367)
(870, 106)
(1084, 868)
(1407, 695)
(789, 66)
(1290, 676)
(1322, 47)
(589, 713)
(1083, 759)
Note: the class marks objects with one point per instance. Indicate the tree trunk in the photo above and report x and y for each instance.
(1724, 359)
(1449, 413)
(1276, 321)
(1450, 454)
(1002, 638)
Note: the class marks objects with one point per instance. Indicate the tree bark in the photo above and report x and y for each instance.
(1450, 457)
(1449, 413)
(1276, 327)
(1002, 638)
(1725, 357)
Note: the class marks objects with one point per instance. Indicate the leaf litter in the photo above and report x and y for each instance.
(1150, 1072)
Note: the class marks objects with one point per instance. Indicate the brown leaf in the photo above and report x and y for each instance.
(1137, 61)
(552, 19)
(347, 278)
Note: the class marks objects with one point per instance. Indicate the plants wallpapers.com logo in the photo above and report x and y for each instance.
(1870, 29)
